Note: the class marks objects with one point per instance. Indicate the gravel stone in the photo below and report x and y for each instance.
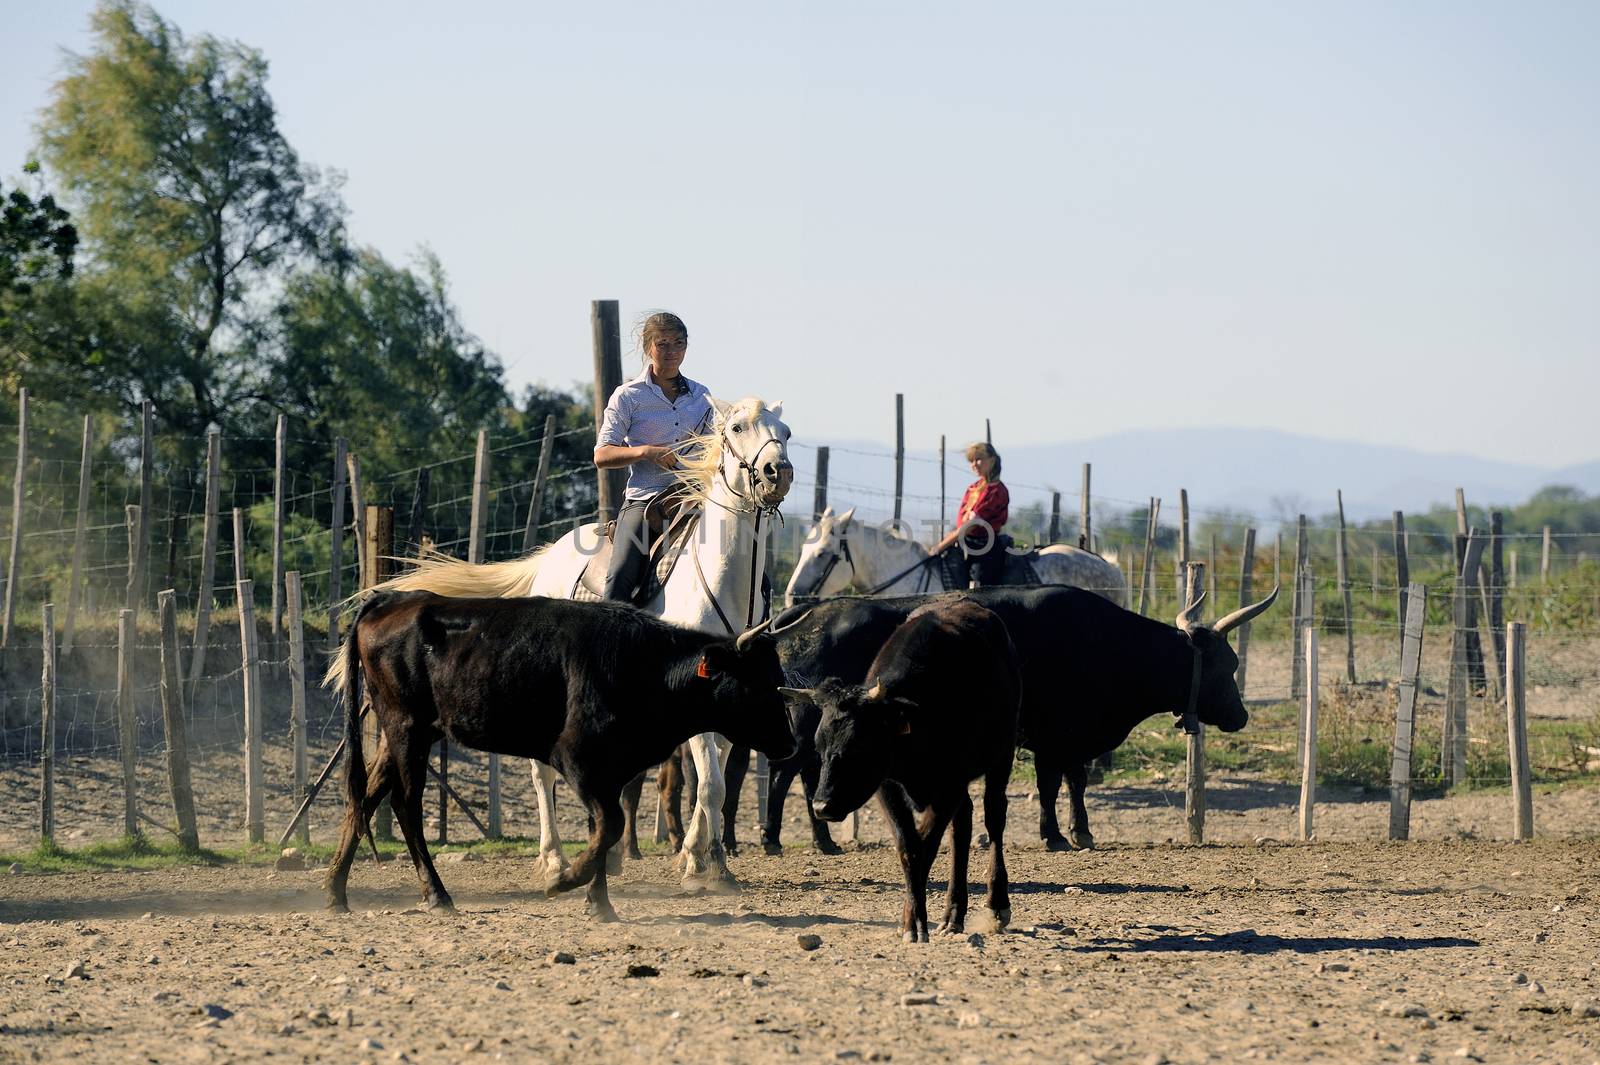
(808, 941)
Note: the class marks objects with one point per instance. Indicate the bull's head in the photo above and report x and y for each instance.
(1219, 702)
(854, 737)
(747, 677)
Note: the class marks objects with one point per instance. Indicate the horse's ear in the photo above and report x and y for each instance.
(776, 409)
(844, 519)
(827, 511)
(722, 408)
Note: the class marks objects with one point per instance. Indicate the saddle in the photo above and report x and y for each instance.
(671, 519)
(1019, 569)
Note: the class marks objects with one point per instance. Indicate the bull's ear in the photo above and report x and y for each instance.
(806, 696)
(713, 660)
(900, 711)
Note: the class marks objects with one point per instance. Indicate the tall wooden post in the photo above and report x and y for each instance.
(547, 446)
(1402, 571)
(1344, 592)
(1247, 565)
(377, 550)
(173, 725)
(819, 494)
(336, 546)
(127, 723)
(1308, 724)
(419, 509)
(1085, 526)
(1455, 722)
(1211, 573)
(941, 487)
(1544, 557)
(606, 335)
(1297, 666)
(80, 534)
(899, 452)
(1152, 521)
(1055, 517)
(297, 690)
(358, 511)
(1517, 731)
(1308, 617)
(1495, 608)
(475, 551)
(1461, 512)
(281, 438)
(208, 562)
(1376, 563)
(1416, 600)
(240, 548)
(47, 736)
(250, 657)
(18, 495)
(1183, 540)
(1194, 790)
(132, 520)
(147, 458)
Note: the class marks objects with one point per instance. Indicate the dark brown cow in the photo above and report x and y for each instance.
(600, 691)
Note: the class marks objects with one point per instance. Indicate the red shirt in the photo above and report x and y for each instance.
(988, 500)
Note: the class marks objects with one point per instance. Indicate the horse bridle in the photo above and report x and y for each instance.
(827, 570)
(749, 470)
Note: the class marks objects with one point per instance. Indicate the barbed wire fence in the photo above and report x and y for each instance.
(1548, 581)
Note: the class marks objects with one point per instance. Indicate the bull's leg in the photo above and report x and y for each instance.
(821, 837)
(669, 786)
(955, 906)
(994, 822)
(704, 863)
(589, 867)
(410, 761)
(1047, 772)
(783, 775)
(356, 820)
(738, 768)
(917, 842)
(551, 860)
(630, 818)
(1078, 814)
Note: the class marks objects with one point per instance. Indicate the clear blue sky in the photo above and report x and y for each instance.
(1372, 221)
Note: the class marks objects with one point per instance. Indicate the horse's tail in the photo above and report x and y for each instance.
(442, 574)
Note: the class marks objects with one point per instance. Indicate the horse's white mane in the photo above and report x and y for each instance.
(700, 455)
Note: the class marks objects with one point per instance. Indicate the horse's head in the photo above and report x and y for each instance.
(825, 566)
(754, 459)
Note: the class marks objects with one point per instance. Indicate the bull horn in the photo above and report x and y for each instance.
(795, 616)
(1244, 614)
(1189, 616)
(742, 643)
(875, 692)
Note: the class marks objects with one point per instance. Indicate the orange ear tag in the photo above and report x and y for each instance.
(701, 670)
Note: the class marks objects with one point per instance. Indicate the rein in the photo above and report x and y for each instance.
(760, 512)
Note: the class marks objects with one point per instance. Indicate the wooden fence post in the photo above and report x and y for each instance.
(819, 494)
(240, 549)
(1247, 565)
(1402, 570)
(336, 546)
(1344, 592)
(530, 534)
(47, 730)
(1152, 518)
(1416, 600)
(606, 337)
(941, 486)
(377, 548)
(1085, 516)
(1494, 609)
(1183, 543)
(141, 561)
(1211, 573)
(254, 784)
(1454, 753)
(1308, 763)
(1511, 568)
(14, 565)
(899, 452)
(1194, 780)
(80, 534)
(358, 512)
(281, 439)
(1055, 517)
(1297, 665)
(1461, 511)
(297, 690)
(1517, 730)
(208, 562)
(174, 727)
(476, 543)
(1376, 562)
(417, 528)
(1308, 617)
(127, 723)
(1544, 558)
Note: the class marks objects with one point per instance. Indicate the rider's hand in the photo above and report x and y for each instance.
(664, 457)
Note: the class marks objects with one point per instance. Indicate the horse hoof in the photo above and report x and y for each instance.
(633, 855)
(772, 849)
(713, 882)
(441, 904)
(1057, 842)
(338, 906)
(1083, 841)
(602, 914)
(1002, 917)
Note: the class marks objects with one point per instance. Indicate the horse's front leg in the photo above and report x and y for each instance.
(704, 863)
(551, 860)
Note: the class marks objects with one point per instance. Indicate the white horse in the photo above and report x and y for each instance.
(839, 552)
(740, 472)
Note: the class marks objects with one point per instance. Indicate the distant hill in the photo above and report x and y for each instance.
(1268, 474)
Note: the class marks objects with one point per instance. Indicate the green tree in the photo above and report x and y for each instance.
(190, 199)
(37, 246)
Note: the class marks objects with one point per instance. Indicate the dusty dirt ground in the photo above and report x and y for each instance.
(1139, 951)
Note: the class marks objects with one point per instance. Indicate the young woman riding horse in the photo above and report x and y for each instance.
(983, 512)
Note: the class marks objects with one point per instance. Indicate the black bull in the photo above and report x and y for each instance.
(1091, 672)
